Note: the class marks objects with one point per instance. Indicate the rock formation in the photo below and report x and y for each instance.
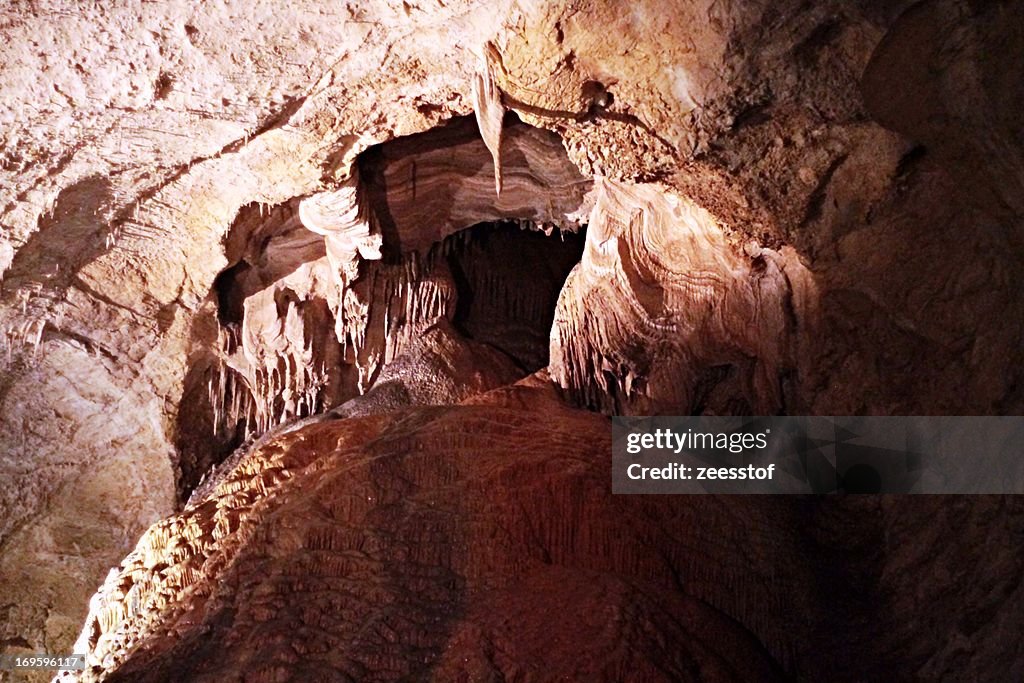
(335, 300)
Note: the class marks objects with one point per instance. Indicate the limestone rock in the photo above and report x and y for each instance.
(220, 219)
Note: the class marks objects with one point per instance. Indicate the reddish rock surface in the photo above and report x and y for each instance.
(476, 542)
(479, 542)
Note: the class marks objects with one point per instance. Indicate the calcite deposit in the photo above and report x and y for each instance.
(313, 315)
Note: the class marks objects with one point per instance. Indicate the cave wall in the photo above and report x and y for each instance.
(855, 168)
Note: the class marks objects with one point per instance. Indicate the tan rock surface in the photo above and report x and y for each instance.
(216, 210)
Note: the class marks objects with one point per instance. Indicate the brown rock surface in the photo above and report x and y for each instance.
(479, 542)
(458, 543)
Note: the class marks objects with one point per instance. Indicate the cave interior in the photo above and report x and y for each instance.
(312, 339)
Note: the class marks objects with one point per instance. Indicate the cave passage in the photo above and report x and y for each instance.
(508, 279)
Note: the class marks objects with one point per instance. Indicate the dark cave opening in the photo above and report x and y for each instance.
(507, 280)
(230, 297)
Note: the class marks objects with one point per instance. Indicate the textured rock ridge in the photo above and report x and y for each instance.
(666, 315)
(347, 501)
(420, 544)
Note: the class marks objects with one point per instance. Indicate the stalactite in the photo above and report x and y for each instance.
(347, 223)
(489, 110)
(264, 374)
(263, 391)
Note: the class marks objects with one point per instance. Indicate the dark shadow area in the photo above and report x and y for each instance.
(508, 281)
(230, 298)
